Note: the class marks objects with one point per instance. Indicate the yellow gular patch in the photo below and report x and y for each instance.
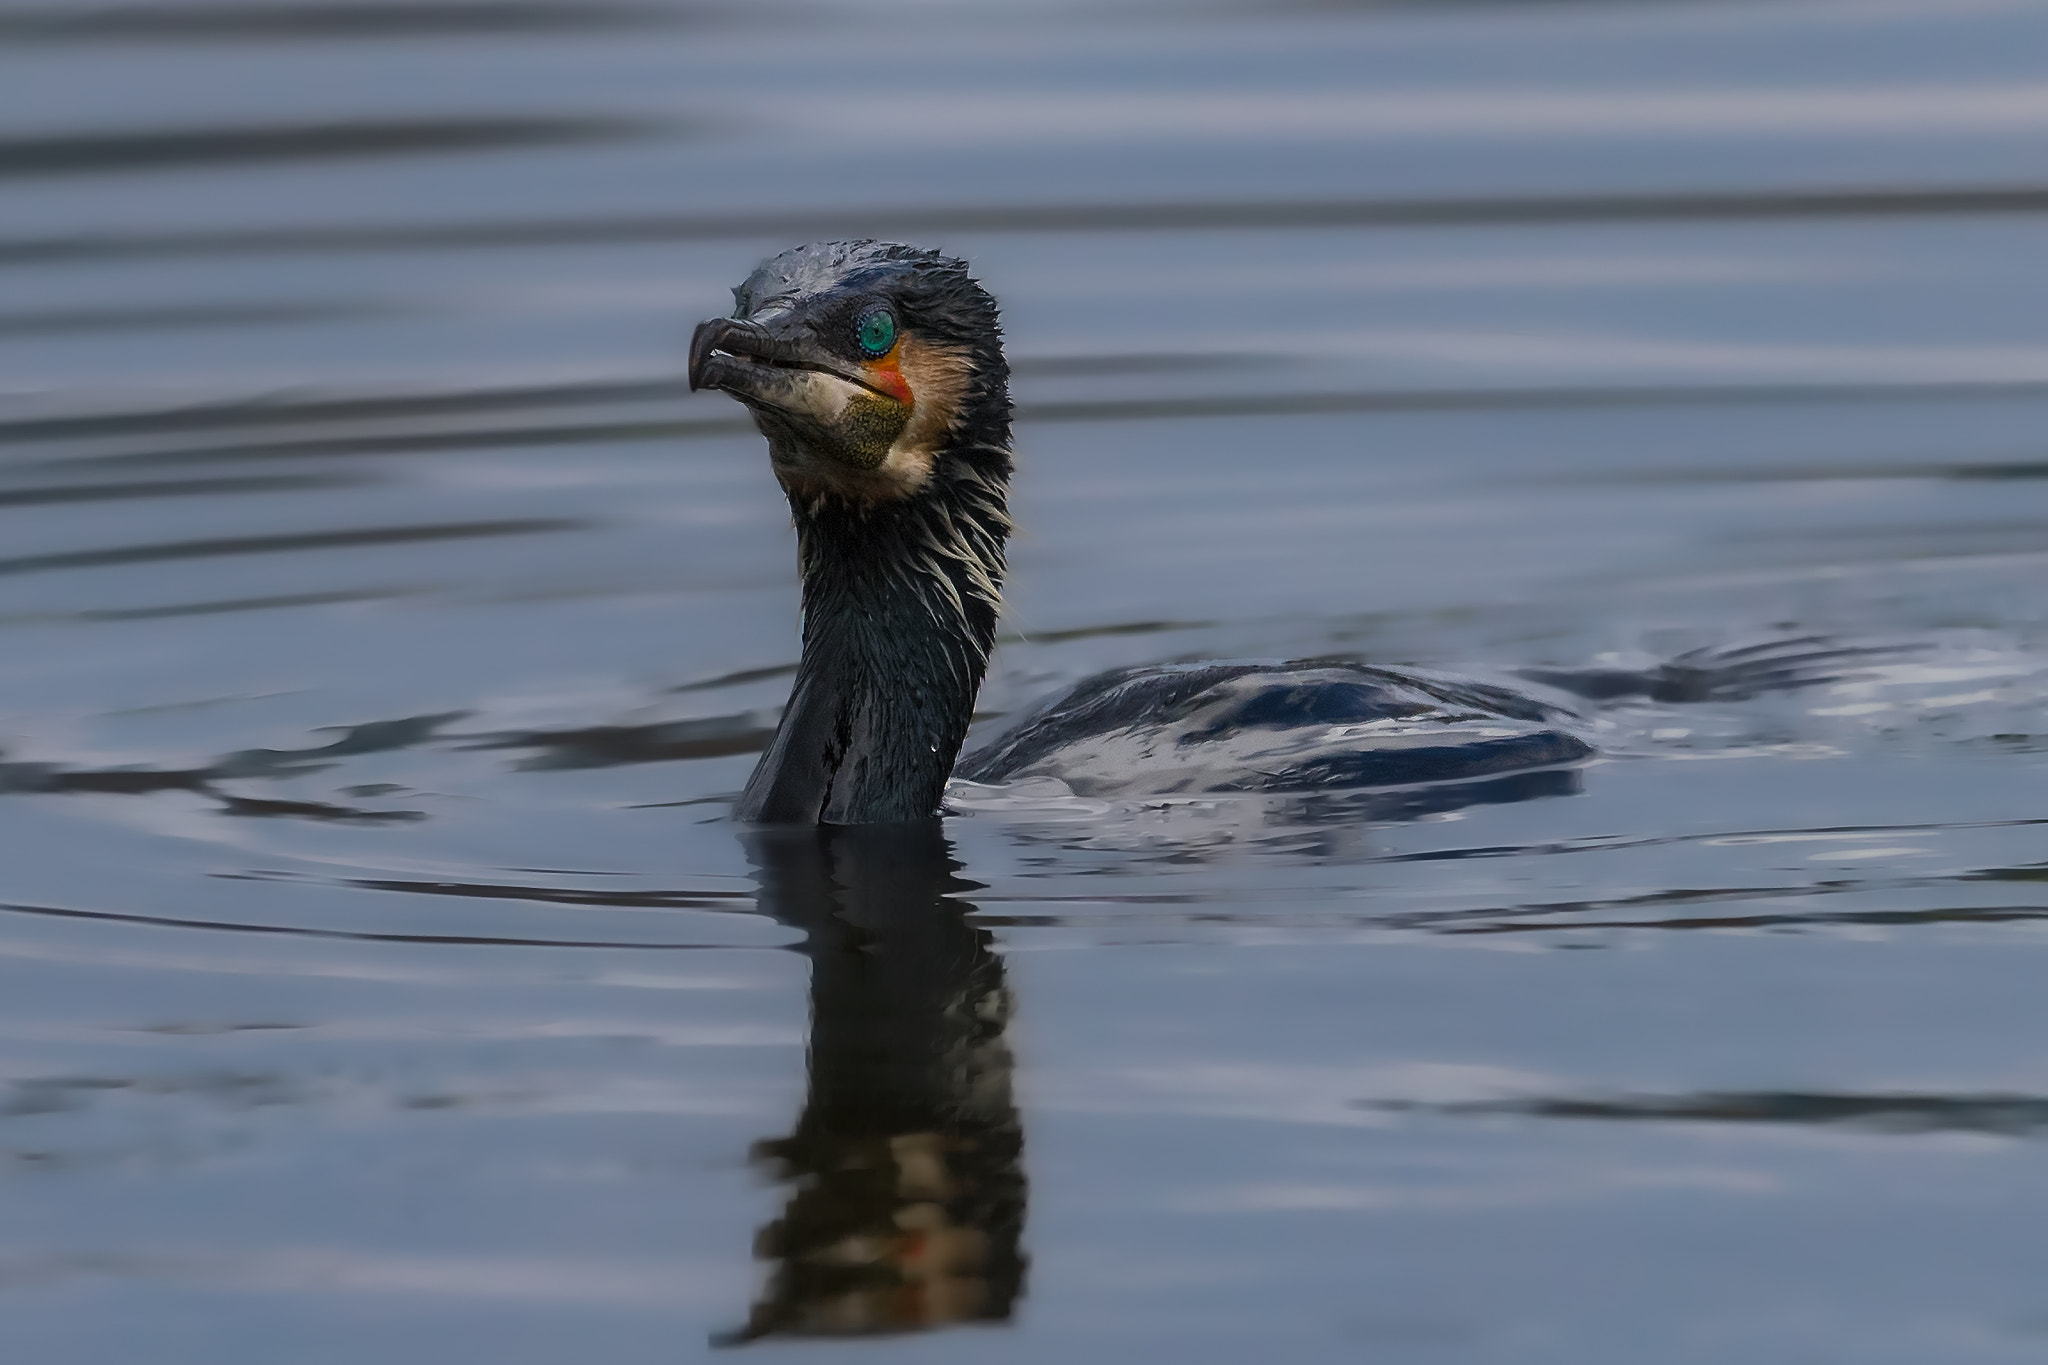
(935, 379)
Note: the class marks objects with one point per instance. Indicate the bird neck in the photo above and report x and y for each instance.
(900, 605)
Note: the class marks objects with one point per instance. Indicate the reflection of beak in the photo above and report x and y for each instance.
(773, 363)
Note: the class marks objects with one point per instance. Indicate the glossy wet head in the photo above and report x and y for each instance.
(860, 362)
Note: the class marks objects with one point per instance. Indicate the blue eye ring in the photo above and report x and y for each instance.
(875, 330)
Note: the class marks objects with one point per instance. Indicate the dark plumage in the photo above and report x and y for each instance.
(1261, 727)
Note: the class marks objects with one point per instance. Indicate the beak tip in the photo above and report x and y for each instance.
(702, 342)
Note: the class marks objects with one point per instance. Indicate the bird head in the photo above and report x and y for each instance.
(862, 363)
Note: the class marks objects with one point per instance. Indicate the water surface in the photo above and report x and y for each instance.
(383, 630)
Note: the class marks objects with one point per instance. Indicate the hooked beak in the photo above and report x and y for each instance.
(726, 347)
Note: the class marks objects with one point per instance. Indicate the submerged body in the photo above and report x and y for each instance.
(1300, 727)
(876, 372)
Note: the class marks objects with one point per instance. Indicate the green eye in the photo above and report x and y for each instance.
(876, 331)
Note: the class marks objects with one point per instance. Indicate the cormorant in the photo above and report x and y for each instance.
(876, 372)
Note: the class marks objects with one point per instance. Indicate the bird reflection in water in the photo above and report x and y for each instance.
(905, 1171)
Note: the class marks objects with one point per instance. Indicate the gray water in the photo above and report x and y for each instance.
(383, 631)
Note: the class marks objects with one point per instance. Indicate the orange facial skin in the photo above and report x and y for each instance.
(886, 375)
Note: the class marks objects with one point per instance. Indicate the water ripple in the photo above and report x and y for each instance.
(102, 153)
(218, 547)
(2002, 1115)
(349, 935)
(1709, 206)
(211, 23)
